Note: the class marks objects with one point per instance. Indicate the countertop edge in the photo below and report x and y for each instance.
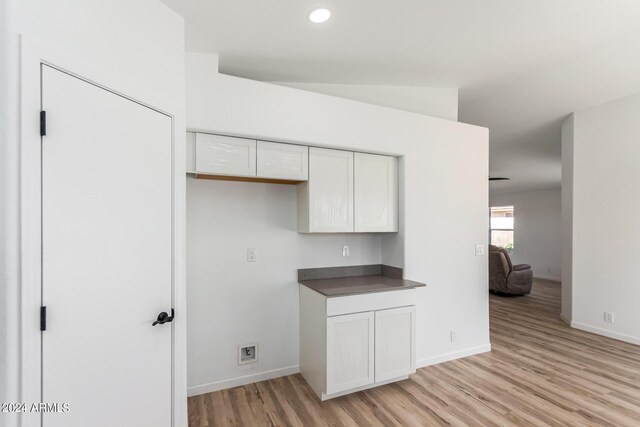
(405, 285)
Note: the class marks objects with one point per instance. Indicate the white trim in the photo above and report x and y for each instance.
(549, 278)
(30, 242)
(290, 370)
(446, 357)
(365, 387)
(244, 380)
(565, 320)
(32, 55)
(605, 332)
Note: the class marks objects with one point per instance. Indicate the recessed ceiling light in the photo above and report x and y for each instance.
(318, 16)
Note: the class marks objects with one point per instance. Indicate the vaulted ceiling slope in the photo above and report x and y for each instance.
(521, 66)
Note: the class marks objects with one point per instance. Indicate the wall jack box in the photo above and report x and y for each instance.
(247, 353)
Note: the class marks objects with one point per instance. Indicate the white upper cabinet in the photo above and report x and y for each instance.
(325, 203)
(283, 161)
(191, 152)
(339, 191)
(225, 155)
(376, 193)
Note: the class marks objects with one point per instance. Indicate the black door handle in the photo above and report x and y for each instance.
(163, 318)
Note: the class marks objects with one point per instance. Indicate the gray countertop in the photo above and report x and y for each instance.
(355, 285)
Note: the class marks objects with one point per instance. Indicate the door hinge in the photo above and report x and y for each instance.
(43, 123)
(43, 318)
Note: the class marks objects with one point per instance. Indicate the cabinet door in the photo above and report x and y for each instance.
(395, 343)
(283, 161)
(376, 193)
(330, 190)
(225, 155)
(350, 347)
(191, 152)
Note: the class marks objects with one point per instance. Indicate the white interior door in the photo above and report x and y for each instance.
(350, 347)
(107, 256)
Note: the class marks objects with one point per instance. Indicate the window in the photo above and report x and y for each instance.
(501, 223)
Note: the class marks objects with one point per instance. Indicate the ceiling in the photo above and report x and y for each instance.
(521, 65)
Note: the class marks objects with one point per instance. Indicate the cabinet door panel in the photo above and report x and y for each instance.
(395, 343)
(376, 193)
(350, 347)
(283, 161)
(225, 155)
(330, 190)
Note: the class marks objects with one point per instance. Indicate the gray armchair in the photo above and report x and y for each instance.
(505, 277)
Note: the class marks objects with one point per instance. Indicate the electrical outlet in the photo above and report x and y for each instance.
(251, 255)
(247, 353)
(608, 317)
(479, 249)
(548, 270)
(345, 251)
(453, 336)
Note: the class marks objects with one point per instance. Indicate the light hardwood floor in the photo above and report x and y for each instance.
(539, 372)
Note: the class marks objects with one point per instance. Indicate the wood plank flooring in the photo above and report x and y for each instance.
(539, 372)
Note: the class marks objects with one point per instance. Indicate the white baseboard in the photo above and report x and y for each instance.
(281, 372)
(607, 333)
(565, 320)
(549, 278)
(244, 380)
(364, 387)
(453, 355)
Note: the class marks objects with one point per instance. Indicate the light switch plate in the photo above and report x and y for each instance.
(479, 249)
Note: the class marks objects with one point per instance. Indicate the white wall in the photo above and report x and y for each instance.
(439, 102)
(537, 230)
(141, 45)
(445, 163)
(606, 225)
(232, 301)
(138, 42)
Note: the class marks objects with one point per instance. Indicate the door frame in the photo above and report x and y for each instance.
(33, 55)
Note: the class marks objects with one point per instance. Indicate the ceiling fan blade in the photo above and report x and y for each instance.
(499, 178)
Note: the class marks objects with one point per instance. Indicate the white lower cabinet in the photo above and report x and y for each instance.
(395, 353)
(350, 348)
(348, 352)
